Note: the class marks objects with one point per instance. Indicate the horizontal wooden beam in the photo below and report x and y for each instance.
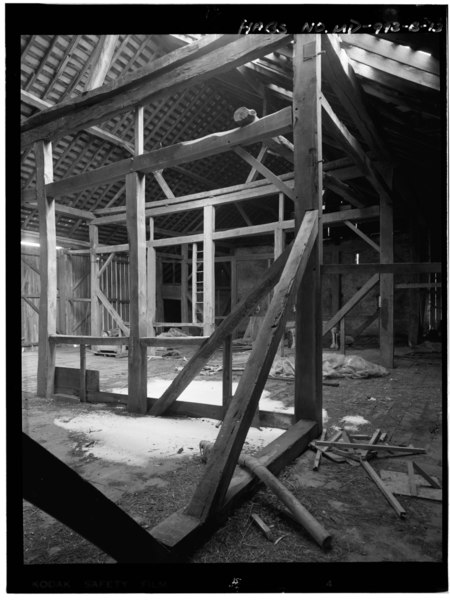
(164, 77)
(191, 340)
(62, 209)
(33, 236)
(88, 340)
(396, 268)
(41, 104)
(270, 126)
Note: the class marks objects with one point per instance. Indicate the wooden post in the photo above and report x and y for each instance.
(82, 372)
(151, 286)
(184, 285)
(307, 130)
(208, 271)
(194, 283)
(227, 373)
(386, 285)
(342, 335)
(137, 354)
(278, 247)
(48, 270)
(96, 322)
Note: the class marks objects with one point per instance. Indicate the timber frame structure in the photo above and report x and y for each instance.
(323, 88)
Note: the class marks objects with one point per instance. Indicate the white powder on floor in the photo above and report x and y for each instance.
(353, 422)
(207, 392)
(137, 440)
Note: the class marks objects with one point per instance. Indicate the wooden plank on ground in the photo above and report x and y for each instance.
(212, 488)
(401, 512)
(228, 325)
(399, 483)
(181, 532)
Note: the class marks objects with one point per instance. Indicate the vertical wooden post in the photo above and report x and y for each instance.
(278, 247)
(342, 336)
(386, 285)
(48, 270)
(227, 373)
(137, 354)
(96, 322)
(208, 270)
(82, 373)
(307, 130)
(151, 286)
(68, 285)
(194, 283)
(184, 286)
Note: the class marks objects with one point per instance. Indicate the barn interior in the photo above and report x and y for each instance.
(232, 297)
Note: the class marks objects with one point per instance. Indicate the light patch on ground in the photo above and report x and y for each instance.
(353, 422)
(206, 392)
(137, 440)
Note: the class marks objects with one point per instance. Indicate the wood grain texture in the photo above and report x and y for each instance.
(211, 490)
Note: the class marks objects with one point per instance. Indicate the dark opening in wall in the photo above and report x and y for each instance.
(172, 311)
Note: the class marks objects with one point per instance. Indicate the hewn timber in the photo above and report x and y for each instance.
(357, 297)
(210, 492)
(307, 119)
(112, 311)
(137, 354)
(181, 532)
(87, 340)
(32, 100)
(386, 285)
(396, 268)
(170, 156)
(163, 78)
(362, 235)
(208, 270)
(101, 61)
(48, 270)
(201, 357)
(80, 506)
(96, 318)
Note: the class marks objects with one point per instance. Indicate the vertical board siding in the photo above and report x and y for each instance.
(113, 283)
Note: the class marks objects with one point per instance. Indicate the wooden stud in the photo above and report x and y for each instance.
(96, 316)
(386, 285)
(48, 269)
(308, 195)
(184, 284)
(208, 271)
(137, 355)
(82, 373)
(227, 373)
(211, 491)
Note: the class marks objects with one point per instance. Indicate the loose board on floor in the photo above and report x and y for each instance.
(398, 483)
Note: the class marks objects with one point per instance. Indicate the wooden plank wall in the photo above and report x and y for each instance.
(30, 288)
(113, 283)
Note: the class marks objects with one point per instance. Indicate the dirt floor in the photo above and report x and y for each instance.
(150, 485)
